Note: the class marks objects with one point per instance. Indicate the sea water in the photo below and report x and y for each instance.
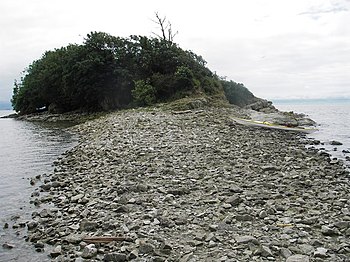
(333, 121)
(27, 150)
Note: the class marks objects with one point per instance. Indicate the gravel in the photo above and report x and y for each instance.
(191, 186)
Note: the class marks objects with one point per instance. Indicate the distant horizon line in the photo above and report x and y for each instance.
(309, 99)
(4, 105)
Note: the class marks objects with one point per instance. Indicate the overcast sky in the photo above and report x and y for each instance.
(277, 48)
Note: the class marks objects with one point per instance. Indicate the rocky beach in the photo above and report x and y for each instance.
(162, 185)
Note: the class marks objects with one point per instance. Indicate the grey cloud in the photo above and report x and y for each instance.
(316, 12)
(284, 65)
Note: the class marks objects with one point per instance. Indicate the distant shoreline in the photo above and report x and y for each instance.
(312, 100)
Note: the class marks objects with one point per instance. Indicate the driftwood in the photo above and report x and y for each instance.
(181, 112)
(104, 239)
(186, 112)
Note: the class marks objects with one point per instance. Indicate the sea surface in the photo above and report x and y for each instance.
(26, 150)
(333, 121)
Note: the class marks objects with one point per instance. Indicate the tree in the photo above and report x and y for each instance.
(167, 33)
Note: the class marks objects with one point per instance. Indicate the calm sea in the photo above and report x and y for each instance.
(333, 121)
(27, 150)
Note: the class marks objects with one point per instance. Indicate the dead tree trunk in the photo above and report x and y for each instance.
(166, 29)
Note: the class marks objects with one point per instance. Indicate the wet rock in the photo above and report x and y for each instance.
(56, 251)
(335, 143)
(39, 245)
(32, 224)
(7, 245)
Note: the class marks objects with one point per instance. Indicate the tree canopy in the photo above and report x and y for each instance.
(108, 72)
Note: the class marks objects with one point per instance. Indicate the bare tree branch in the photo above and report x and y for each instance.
(165, 27)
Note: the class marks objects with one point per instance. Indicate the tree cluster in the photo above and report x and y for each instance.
(108, 72)
(237, 93)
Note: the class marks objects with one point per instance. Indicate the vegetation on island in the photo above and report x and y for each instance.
(107, 72)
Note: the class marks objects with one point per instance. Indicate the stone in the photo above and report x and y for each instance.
(335, 143)
(321, 252)
(89, 251)
(269, 168)
(263, 214)
(342, 224)
(236, 189)
(264, 251)
(56, 251)
(73, 238)
(115, 257)
(212, 244)
(86, 225)
(7, 245)
(245, 217)
(327, 231)
(298, 258)
(32, 224)
(133, 254)
(45, 213)
(76, 197)
(306, 249)
(146, 248)
(122, 209)
(234, 200)
(226, 206)
(39, 245)
(246, 239)
(285, 252)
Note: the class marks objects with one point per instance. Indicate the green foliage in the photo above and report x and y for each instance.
(237, 93)
(107, 72)
(144, 93)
